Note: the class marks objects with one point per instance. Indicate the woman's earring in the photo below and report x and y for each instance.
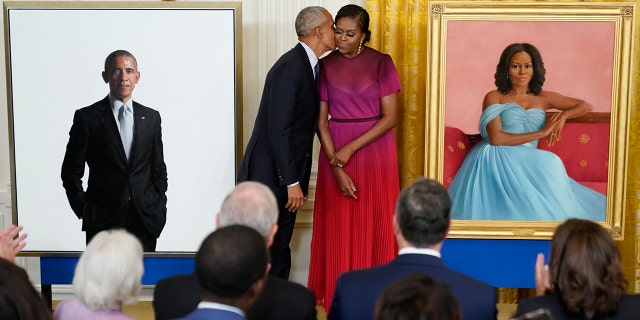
(360, 47)
(507, 76)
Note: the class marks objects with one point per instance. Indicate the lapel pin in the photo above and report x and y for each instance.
(142, 118)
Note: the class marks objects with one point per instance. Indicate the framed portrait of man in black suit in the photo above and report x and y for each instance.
(188, 59)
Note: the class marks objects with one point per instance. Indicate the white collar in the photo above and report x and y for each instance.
(116, 104)
(313, 60)
(414, 250)
(220, 306)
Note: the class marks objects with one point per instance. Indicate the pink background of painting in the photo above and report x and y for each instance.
(578, 57)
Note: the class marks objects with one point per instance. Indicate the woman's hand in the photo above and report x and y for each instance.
(542, 275)
(553, 127)
(342, 157)
(346, 185)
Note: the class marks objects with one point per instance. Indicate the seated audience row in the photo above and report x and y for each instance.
(583, 280)
(251, 204)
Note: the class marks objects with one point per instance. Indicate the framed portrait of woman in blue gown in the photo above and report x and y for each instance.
(528, 114)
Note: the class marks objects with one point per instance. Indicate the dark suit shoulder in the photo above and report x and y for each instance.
(176, 296)
(144, 108)
(283, 300)
(292, 60)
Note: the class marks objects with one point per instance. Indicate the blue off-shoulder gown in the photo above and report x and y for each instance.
(519, 182)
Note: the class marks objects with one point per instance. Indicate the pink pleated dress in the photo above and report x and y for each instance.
(353, 234)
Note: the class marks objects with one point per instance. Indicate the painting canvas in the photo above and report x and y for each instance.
(586, 49)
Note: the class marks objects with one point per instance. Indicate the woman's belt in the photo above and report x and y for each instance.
(355, 120)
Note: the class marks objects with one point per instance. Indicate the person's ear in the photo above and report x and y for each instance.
(105, 77)
(318, 32)
(396, 227)
(271, 235)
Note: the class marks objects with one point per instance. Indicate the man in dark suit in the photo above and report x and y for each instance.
(231, 266)
(279, 151)
(420, 223)
(121, 142)
(251, 204)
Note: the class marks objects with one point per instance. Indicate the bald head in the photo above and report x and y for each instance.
(250, 204)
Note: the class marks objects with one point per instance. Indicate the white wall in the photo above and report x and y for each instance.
(267, 32)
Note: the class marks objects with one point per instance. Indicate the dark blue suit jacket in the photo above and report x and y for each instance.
(357, 291)
(212, 314)
(177, 296)
(280, 148)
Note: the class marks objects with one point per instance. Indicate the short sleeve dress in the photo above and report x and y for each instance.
(352, 234)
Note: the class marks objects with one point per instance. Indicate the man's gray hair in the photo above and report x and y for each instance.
(309, 18)
(250, 204)
(109, 271)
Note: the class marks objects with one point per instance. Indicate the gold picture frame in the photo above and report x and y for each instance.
(464, 22)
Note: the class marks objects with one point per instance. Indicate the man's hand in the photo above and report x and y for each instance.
(9, 244)
(296, 198)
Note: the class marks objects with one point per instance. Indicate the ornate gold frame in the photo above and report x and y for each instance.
(620, 13)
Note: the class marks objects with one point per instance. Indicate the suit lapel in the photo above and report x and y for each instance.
(308, 70)
(140, 126)
(111, 127)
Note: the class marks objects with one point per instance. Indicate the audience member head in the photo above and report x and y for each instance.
(422, 214)
(18, 298)
(109, 271)
(585, 270)
(251, 204)
(231, 266)
(417, 297)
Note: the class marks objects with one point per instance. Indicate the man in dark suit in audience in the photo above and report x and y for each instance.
(279, 151)
(251, 204)
(420, 223)
(231, 266)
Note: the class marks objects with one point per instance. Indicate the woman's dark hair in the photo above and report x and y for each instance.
(358, 13)
(585, 270)
(18, 298)
(502, 69)
(417, 297)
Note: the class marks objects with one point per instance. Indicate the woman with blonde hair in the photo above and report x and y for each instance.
(107, 277)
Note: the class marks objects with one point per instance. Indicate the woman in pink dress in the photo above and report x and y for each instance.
(358, 179)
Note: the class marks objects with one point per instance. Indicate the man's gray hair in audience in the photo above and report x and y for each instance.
(423, 212)
(251, 204)
(109, 272)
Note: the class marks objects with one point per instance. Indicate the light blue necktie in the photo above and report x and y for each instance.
(125, 118)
